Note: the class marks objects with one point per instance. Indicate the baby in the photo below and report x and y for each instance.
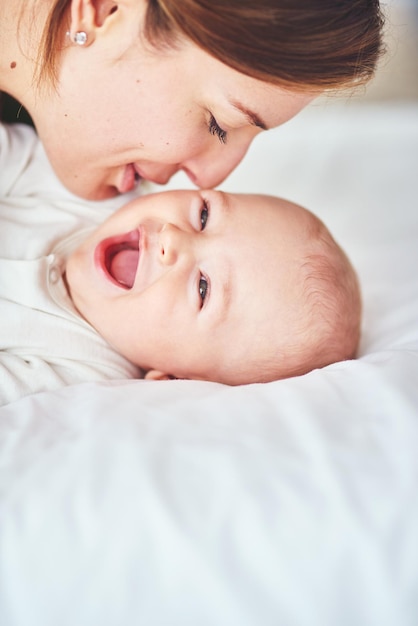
(186, 284)
(215, 286)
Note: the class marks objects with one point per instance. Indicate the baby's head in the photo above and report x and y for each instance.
(233, 288)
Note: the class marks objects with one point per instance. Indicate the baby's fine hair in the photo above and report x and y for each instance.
(330, 316)
(333, 298)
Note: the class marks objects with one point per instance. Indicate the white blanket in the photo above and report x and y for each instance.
(294, 503)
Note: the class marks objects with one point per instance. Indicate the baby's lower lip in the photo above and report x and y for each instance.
(118, 258)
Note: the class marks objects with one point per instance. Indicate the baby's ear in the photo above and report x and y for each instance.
(157, 375)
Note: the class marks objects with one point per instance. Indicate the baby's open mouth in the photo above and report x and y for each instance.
(121, 259)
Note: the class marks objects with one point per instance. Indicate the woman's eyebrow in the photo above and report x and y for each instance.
(251, 117)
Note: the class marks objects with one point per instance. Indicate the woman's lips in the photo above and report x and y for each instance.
(118, 258)
(129, 179)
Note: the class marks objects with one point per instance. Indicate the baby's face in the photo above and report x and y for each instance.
(191, 283)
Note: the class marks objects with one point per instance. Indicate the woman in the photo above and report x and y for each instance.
(121, 90)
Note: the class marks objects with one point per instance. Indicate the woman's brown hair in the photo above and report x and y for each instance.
(321, 44)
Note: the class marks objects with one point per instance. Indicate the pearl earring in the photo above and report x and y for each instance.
(80, 38)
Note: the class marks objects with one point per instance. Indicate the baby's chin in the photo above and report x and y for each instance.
(76, 297)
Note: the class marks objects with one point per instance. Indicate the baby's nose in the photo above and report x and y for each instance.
(172, 242)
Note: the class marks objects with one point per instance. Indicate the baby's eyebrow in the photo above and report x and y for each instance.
(223, 288)
(221, 299)
(226, 291)
(226, 298)
(223, 204)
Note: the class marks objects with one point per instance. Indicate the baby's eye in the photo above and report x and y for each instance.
(216, 130)
(203, 289)
(204, 214)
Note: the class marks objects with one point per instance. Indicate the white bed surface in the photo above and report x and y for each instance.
(294, 503)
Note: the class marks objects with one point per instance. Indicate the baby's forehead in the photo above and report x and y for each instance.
(282, 210)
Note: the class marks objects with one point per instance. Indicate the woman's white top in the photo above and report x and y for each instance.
(44, 342)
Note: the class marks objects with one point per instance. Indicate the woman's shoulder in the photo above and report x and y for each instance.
(18, 143)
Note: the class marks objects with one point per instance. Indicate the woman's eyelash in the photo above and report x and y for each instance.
(216, 130)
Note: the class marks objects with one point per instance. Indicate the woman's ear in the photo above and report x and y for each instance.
(104, 9)
(157, 375)
(88, 15)
(94, 17)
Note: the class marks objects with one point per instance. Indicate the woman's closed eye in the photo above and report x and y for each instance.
(216, 130)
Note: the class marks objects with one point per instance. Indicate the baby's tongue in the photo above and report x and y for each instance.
(123, 267)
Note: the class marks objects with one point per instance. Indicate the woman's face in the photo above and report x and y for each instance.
(125, 110)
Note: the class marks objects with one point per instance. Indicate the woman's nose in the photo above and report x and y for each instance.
(213, 165)
(173, 242)
(161, 174)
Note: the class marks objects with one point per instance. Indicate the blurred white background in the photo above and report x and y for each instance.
(397, 75)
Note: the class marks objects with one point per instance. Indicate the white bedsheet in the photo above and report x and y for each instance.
(294, 503)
